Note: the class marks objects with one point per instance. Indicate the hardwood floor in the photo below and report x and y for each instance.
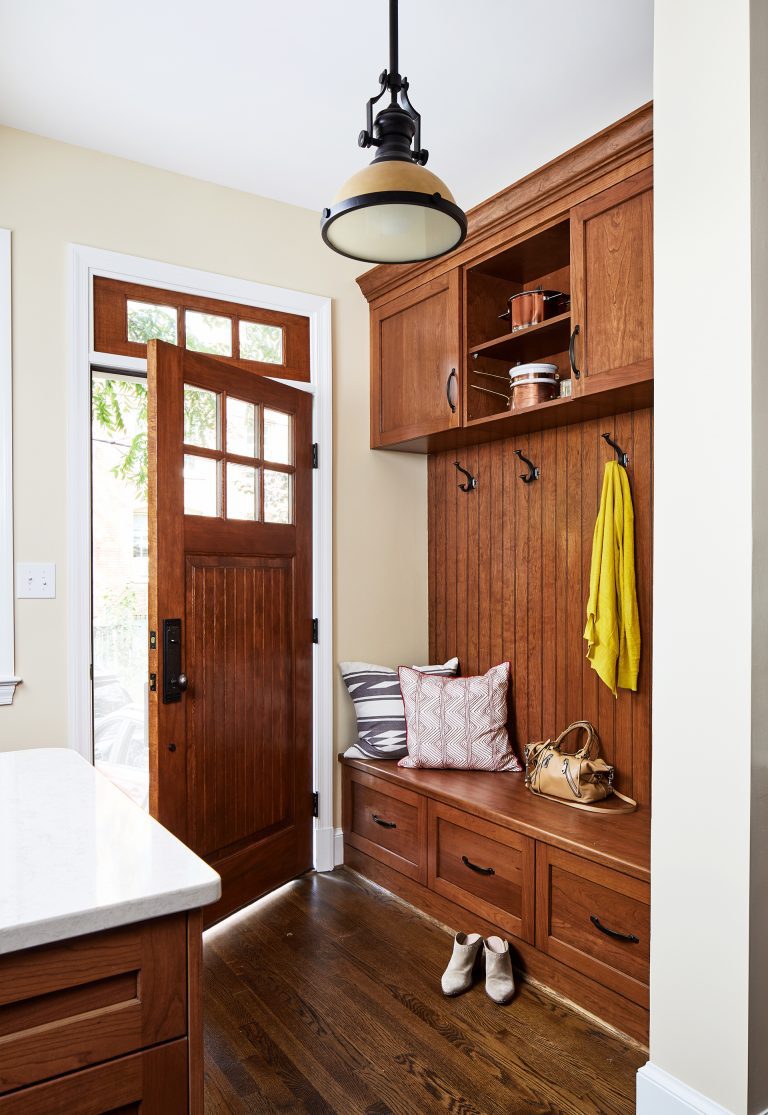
(325, 998)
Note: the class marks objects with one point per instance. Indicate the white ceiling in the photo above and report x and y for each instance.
(269, 96)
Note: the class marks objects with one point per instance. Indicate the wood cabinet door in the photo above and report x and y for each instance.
(415, 362)
(612, 282)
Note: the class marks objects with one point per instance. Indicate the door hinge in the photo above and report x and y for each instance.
(315, 631)
(315, 804)
(315, 455)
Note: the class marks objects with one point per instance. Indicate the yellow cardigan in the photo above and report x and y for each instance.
(613, 627)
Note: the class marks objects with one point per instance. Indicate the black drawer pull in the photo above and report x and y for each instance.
(633, 940)
(473, 867)
(384, 824)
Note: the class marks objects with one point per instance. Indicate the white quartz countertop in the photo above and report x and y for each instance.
(78, 856)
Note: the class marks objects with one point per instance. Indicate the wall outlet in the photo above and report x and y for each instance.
(35, 579)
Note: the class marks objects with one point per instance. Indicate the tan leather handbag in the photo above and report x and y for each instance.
(573, 778)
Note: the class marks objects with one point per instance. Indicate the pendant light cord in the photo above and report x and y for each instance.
(394, 72)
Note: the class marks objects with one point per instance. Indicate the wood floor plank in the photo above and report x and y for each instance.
(325, 998)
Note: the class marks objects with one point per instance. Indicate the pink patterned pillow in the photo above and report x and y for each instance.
(457, 723)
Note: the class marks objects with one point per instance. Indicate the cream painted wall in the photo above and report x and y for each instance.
(52, 194)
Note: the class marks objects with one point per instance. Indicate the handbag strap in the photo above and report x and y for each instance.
(584, 752)
(629, 807)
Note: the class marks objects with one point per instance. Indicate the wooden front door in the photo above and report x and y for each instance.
(230, 618)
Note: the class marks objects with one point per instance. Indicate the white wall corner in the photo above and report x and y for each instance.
(660, 1093)
(8, 678)
(338, 848)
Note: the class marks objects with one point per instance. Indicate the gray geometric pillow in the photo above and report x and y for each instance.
(375, 693)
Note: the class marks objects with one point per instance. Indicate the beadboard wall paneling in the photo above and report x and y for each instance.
(509, 579)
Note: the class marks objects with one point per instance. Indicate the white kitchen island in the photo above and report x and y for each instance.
(100, 946)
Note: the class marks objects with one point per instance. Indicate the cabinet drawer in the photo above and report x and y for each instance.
(595, 920)
(387, 822)
(68, 1005)
(483, 867)
(153, 1083)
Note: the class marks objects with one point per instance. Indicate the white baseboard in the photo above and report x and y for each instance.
(324, 848)
(338, 847)
(660, 1093)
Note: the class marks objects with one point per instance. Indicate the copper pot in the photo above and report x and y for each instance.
(529, 307)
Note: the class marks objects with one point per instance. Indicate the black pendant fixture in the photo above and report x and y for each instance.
(393, 211)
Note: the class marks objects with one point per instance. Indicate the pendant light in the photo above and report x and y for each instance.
(393, 211)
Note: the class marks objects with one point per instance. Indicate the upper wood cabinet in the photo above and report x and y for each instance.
(416, 362)
(612, 282)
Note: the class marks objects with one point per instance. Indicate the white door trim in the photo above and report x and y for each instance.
(85, 263)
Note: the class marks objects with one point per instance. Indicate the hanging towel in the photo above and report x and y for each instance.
(613, 627)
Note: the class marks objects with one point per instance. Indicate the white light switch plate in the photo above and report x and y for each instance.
(35, 579)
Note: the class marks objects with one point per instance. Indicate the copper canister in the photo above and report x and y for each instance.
(533, 383)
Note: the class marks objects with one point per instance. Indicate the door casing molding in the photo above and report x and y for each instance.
(84, 264)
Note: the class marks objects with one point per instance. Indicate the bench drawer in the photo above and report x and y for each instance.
(387, 822)
(483, 867)
(595, 920)
(65, 1006)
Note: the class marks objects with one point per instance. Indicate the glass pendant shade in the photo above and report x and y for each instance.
(393, 211)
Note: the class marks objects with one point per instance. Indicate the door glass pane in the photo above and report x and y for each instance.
(147, 321)
(119, 601)
(277, 497)
(242, 492)
(201, 417)
(241, 428)
(201, 487)
(208, 333)
(261, 342)
(277, 437)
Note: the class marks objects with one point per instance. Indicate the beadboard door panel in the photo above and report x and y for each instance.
(509, 578)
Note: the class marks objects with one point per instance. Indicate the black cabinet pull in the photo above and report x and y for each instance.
(448, 383)
(633, 940)
(384, 824)
(572, 352)
(473, 867)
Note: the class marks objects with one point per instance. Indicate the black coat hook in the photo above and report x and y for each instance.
(471, 483)
(533, 472)
(622, 457)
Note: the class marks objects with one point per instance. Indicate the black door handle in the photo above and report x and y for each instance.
(473, 867)
(448, 383)
(572, 351)
(633, 940)
(384, 824)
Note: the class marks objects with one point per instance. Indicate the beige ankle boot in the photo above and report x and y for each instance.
(499, 984)
(457, 977)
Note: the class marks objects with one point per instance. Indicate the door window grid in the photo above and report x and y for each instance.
(273, 494)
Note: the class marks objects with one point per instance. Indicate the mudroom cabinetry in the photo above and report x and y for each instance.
(416, 362)
(612, 282)
(509, 562)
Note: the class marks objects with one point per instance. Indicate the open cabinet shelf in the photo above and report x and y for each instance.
(524, 344)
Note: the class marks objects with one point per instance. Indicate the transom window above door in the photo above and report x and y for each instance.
(127, 315)
(238, 458)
